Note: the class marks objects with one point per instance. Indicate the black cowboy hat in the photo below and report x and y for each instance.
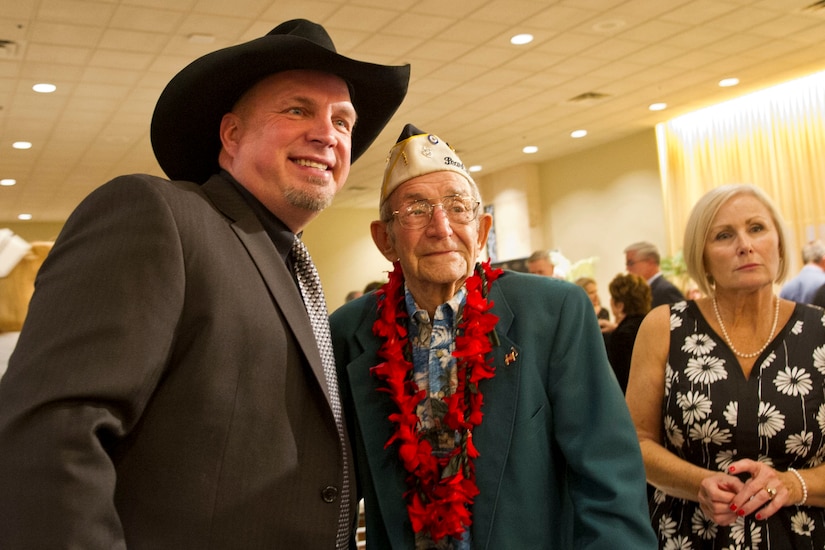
(187, 117)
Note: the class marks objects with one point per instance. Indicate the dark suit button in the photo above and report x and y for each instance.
(330, 493)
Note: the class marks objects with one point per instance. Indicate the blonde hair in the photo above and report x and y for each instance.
(584, 281)
(701, 218)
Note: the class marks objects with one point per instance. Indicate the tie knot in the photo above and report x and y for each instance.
(300, 254)
(305, 272)
(298, 248)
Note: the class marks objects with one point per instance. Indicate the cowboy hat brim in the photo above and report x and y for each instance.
(185, 124)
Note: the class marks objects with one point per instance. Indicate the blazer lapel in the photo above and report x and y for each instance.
(492, 437)
(373, 410)
(273, 271)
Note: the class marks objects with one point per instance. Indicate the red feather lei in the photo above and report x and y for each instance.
(441, 490)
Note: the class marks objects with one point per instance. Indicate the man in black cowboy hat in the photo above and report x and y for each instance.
(167, 390)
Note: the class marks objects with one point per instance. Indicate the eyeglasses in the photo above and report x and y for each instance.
(419, 213)
(631, 263)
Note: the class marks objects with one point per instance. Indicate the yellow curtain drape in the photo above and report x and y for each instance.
(774, 139)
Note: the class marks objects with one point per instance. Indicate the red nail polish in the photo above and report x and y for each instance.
(758, 516)
(731, 469)
(741, 512)
(733, 507)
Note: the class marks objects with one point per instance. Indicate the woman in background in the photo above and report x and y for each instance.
(589, 286)
(630, 299)
(727, 392)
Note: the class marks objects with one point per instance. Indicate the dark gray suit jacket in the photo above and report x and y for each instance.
(664, 292)
(166, 390)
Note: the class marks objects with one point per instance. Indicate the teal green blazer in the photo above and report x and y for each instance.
(560, 465)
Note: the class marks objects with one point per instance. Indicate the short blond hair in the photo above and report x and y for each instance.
(701, 218)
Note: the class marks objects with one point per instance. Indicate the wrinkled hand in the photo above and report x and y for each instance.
(753, 497)
(716, 493)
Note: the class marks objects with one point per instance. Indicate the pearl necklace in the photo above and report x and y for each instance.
(727, 338)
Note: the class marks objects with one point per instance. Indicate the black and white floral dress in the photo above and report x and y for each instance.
(713, 416)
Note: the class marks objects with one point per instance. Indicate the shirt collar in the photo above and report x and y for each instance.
(421, 316)
(282, 237)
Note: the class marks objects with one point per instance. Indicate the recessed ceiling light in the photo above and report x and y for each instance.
(728, 82)
(578, 133)
(44, 88)
(22, 145)
(475, 168)
(530, 149)
(24, 216)
(521, 39)
(7, 182)
(657, 106)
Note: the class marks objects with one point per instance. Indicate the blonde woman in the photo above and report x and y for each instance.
(727, 391)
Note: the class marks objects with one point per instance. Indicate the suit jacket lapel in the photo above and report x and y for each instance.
(273, 271)
(373, 410)
(492, 438)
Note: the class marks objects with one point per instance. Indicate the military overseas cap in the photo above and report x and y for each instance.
(417, 153)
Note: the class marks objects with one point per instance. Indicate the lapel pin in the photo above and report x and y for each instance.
(510, 357)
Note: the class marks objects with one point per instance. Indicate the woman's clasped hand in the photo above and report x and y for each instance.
(724, 497)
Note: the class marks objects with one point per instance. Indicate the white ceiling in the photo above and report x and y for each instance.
(111, 58)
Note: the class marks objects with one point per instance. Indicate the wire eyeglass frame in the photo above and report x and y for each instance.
(417, 214)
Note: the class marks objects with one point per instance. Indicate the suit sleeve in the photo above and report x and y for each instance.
(596, 435)
(94, 345)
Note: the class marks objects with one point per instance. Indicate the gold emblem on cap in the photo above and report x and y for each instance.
(416, 155)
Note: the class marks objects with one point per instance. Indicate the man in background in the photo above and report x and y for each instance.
(167, 390)
(810, 278)
(539, 263)
(642, 259)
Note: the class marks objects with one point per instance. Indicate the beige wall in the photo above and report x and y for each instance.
(518, 214)
(597, 202)
(341, 246)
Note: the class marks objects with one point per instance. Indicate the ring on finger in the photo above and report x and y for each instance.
(771, 492)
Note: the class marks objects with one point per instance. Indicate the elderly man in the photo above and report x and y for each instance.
(168, 390)
(539, 263)
(643, 259)
(483, 408)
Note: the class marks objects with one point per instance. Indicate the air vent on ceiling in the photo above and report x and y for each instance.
(587, 98)
(817, 9)
(9, 49)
